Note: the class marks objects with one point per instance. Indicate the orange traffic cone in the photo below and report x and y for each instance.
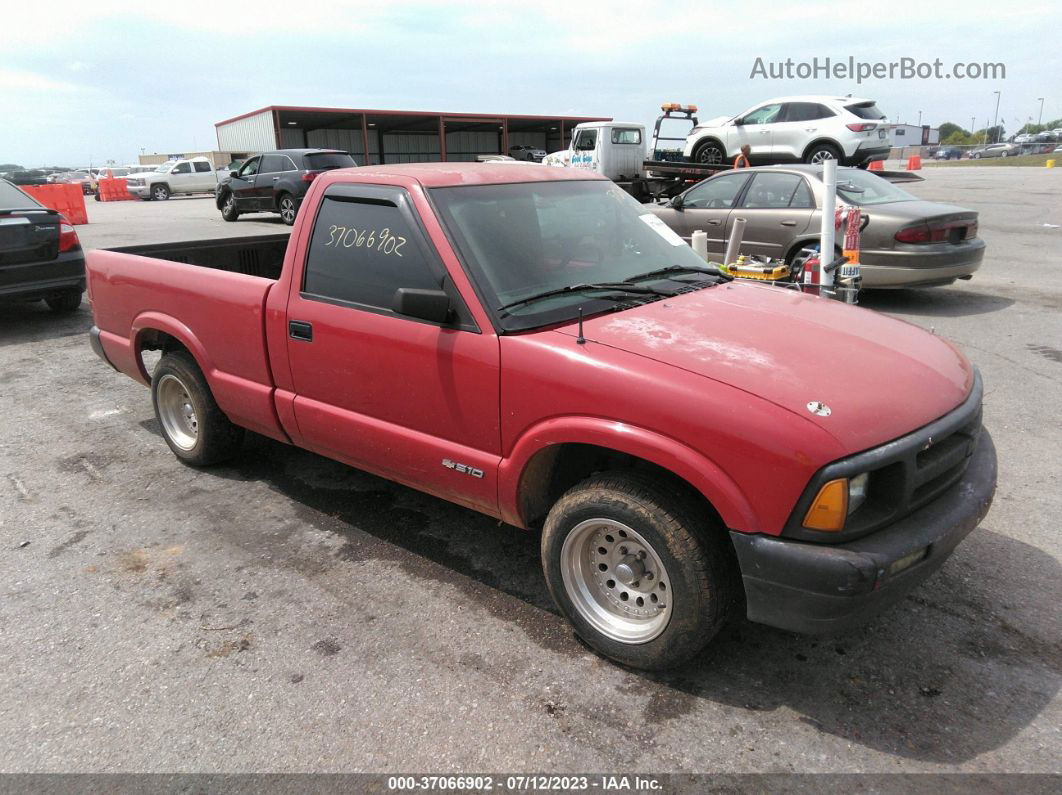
(876, 165)
(914, 163)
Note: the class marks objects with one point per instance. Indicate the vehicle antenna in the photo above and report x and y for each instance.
(580, 340)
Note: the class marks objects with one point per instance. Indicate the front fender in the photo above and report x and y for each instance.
(672, 455)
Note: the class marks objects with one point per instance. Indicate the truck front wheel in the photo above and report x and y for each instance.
(160, 192)
(197, 431)
(638, 569)
(228, 207)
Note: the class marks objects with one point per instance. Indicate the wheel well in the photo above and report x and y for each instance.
(827, 141)
(280, 195)
(155, 340)
(222, 194)
(710, 139)
(804, 243)
(555, 469)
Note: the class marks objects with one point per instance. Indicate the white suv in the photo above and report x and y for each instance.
(796, 129)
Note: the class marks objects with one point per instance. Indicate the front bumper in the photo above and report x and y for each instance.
(822, 588)
(138, 190)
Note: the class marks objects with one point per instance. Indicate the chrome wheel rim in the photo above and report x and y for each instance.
(230, 203)
(616, 581)
(287, 209)
(177, 413)
(161, 194)
(822, 156)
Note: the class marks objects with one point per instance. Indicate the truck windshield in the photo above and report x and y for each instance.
(525, 239)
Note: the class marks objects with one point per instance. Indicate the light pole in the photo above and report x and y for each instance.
(919, 118)
(1040, 118)
(995, 118)
(973, 125)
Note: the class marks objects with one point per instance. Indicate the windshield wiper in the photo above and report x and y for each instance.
(675, 269)
(623, 287)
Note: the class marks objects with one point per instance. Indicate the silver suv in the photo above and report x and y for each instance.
(806, 129)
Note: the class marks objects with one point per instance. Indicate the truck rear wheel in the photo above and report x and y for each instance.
(197, 431)
(638, 570)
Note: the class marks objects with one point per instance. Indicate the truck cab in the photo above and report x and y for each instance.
(195, 175)
(614, 149)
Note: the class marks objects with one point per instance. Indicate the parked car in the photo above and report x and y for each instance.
(530, 153)
(906, 243)
(174, 177)
(1024, 138)
(28, 178)
(995, 150)
(1057, 149)
(806, 129)
(528, 342)
(40, 254)
(947, 153)
(276, 182)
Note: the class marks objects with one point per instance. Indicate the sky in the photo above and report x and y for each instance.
(96, 80)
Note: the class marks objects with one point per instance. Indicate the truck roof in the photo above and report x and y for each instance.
(443, 175)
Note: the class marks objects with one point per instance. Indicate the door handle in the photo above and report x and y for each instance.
(298, 330)
(275, 179)
(765, 132)
(788, 223)
(714, 222)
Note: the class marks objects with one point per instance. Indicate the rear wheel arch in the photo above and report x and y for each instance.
(824, 142)
(156, 332)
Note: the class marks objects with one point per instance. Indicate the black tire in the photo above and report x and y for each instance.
(159, 192)
(216, 438)
(228, 207)
(288, 208)
(820, 152)
(710, 152)
(64, 302)
(697, 559)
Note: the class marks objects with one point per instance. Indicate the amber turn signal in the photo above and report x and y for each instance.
(830, 507)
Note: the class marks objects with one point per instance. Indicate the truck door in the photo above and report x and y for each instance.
(205, 176)
(181, 178)
(708, 205)
(413, 400)
(777, 207)
(584, 149)
(756, 129)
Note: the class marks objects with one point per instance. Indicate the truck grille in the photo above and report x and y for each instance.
(905, 474)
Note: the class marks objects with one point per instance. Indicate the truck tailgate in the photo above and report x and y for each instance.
(218, 315)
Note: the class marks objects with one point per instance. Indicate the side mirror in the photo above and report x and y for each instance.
(432, 305)
(739, 122)
(676, 202)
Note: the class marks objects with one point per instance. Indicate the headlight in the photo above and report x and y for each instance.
(857, 492)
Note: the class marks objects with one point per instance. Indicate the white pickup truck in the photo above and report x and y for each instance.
(196, 175)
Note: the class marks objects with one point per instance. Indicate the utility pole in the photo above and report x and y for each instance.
(919, 118)
(995, 118)
(1040, 118)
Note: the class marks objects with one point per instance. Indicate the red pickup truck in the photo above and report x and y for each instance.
(533, 344)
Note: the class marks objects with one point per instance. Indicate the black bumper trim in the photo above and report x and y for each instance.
(821, 588)
(97, 346)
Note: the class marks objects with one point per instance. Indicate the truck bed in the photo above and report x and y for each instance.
(254, 255)
(198, 293)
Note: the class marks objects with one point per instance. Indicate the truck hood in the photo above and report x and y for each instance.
(881, 378)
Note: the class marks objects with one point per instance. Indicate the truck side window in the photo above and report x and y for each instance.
(586, 141)
(362, 251)
(201, 167)
(182, 168)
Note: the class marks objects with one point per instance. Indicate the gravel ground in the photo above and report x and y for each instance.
(287, 613)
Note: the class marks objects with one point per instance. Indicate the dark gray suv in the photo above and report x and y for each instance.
(275, 182)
